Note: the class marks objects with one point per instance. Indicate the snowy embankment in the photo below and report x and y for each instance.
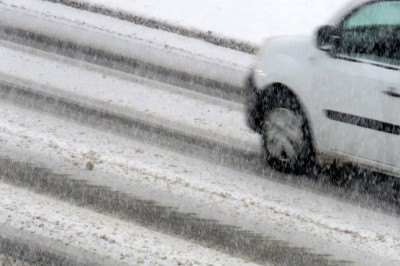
(240, 20)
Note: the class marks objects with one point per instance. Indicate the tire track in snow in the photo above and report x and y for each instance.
(132, 127)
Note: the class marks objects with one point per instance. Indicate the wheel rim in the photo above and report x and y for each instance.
(283, 134)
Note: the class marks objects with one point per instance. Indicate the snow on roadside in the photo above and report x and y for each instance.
(99, 234)
(297, 215)
(244, 20)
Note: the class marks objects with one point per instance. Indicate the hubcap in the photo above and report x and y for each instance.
(283, 134)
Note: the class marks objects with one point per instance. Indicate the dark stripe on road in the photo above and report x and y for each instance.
(363, 122)
(125, 125)
(20, 247)
(121, 63)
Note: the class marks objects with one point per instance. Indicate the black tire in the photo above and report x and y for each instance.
(282, 101)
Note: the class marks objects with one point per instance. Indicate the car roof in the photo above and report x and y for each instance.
(351, 5)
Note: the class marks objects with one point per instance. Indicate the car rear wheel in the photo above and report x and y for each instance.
(286, 137)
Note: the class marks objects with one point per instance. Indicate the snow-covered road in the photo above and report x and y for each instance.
(255, 203)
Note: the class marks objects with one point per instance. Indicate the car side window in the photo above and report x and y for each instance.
(373, 33)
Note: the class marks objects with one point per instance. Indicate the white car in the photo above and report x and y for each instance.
(334, 96)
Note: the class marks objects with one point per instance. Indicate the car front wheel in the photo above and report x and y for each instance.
(286, 138)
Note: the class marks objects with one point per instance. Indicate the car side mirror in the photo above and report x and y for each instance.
(327, 38)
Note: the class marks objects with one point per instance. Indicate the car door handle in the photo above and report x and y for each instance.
(392, 92)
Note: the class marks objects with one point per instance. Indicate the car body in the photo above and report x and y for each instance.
(344, 90)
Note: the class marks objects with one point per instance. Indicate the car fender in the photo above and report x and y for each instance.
(289, 61)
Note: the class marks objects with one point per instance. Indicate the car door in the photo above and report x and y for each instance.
(391, 89)
(353, 85)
